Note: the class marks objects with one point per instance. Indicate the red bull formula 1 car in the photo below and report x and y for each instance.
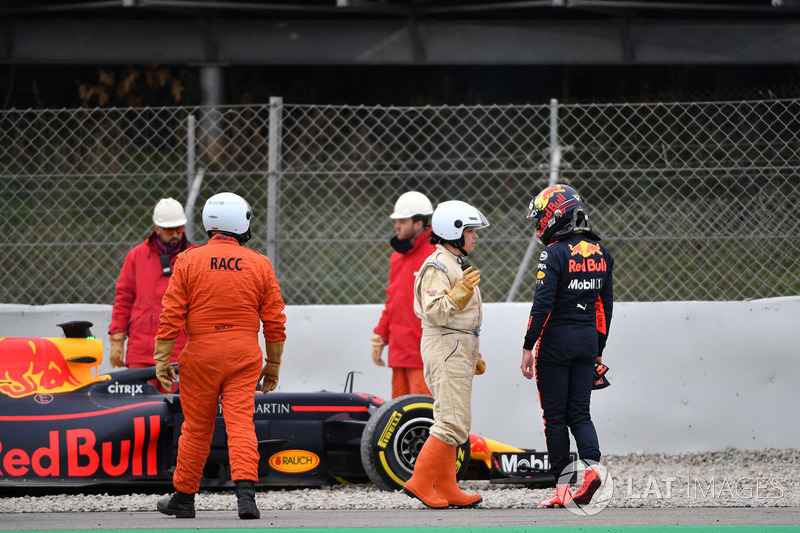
(62, 424)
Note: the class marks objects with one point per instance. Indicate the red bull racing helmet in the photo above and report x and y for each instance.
(558, 211)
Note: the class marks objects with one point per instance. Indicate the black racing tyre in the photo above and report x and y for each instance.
(393, 437)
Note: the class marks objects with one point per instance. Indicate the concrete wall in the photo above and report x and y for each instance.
(686, 376)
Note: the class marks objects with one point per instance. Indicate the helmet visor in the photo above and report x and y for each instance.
(532, 211)
(477, 222)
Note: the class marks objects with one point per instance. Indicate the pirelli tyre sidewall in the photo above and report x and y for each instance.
(393, 437)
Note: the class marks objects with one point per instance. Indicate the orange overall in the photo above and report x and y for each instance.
(222, 292)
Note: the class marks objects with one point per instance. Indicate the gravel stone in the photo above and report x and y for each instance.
(728, 478)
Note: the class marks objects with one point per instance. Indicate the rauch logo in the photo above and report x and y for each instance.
(294, 461)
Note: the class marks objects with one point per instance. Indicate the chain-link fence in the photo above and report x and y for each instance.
(695, 200)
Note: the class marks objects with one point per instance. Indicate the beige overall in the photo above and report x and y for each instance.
(450, 344)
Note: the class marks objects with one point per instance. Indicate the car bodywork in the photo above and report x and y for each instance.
(62, 424)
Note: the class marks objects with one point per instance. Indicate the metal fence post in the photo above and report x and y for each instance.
(191, 162)
(273, 179)
(555, 164)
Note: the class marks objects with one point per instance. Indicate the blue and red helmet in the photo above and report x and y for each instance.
(558, 211)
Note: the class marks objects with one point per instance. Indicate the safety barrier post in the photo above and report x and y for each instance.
(273, 179)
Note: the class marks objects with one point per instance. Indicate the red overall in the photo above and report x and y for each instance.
(399, 327)
(137, 302)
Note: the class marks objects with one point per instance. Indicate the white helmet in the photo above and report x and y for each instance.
(228, 213)
(168, 213)
(410, 204)
(450, 219)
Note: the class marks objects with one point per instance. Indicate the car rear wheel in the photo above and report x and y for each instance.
(393, 437)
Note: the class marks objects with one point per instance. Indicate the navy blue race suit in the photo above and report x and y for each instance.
(569, 319)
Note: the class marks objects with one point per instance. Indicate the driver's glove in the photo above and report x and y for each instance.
(480, 368)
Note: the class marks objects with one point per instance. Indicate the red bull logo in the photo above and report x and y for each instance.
(543, 198)
(585, 249)
(39, 365)
(548, 208)
(588, 265)
(478, 445)
(79, 453)
(481, 448)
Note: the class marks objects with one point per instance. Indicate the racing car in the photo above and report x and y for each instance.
(63, 424)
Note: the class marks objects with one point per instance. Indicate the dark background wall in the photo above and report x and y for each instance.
(73, 53)
(38, 87)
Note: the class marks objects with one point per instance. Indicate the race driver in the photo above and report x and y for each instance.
(447, 299)
(222, 292)
(568, 324)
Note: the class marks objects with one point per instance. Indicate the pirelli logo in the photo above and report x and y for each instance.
(388, 431)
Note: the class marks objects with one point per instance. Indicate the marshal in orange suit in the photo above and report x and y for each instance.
(222, 292)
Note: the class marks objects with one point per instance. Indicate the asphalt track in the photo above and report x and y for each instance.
(645, 520)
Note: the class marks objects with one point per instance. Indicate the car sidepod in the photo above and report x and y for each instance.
(304, 439)
(106, 433)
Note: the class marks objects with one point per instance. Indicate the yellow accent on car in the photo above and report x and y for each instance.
(388, 470)
(420, 405)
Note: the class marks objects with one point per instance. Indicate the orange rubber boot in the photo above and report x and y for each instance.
(591, 482)
(447, 484)
(561, 498)
(430, 462)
